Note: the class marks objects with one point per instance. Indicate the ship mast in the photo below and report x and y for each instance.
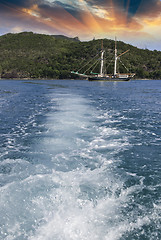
(115, 66)
(102, 60)
(117, 57)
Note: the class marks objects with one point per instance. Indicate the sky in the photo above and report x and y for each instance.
(137, 22)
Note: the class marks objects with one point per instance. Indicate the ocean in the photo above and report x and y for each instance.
(80, 160)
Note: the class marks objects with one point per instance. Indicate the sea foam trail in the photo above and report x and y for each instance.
(74, 188)
(86, 195)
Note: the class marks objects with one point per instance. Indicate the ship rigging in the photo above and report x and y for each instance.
(102, 75)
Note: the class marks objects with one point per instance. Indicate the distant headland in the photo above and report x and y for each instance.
(38, 56)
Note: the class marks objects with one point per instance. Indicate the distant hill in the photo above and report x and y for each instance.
(65, 37)
(30, 55)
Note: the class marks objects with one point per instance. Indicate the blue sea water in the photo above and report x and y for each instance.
(80, 160)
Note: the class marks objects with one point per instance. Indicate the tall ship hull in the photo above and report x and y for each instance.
(110, 78)
(106, 77)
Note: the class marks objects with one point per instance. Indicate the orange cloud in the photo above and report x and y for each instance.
(85, 18)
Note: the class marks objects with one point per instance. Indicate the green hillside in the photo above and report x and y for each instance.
(29, 55)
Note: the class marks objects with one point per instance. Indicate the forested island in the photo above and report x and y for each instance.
(40, 56)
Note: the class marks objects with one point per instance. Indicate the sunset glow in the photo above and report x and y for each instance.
(136, 22)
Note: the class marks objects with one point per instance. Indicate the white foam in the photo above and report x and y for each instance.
(73, 191)
(75, 217)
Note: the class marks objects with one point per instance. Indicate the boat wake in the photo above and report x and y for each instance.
(73, 186)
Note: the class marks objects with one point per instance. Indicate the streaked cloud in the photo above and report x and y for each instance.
(132, 21)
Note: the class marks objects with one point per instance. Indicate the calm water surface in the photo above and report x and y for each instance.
(80, 160)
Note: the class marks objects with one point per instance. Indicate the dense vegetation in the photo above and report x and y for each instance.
(29, 55)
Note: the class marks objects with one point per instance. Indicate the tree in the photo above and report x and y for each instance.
(42, 56)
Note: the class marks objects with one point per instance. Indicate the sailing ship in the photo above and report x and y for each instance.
(102, 76)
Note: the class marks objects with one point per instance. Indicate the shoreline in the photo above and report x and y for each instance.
(44, 79)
